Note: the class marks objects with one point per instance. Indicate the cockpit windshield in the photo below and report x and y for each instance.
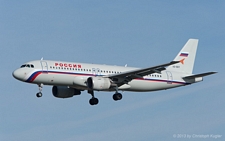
(22, 66)
(27, 66)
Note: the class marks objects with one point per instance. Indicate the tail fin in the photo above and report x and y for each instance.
(186, 57)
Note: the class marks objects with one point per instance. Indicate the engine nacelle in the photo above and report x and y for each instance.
(64, 92)
(98, 83)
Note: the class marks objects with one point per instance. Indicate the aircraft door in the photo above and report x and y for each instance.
(44, 66)
(169, 77)
(96, 71)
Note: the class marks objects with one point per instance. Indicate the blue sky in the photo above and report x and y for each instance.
(138, 33)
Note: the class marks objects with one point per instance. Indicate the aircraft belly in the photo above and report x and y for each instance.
(142, 85)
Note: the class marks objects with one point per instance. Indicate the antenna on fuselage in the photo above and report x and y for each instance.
(42, 58)
(126, 65)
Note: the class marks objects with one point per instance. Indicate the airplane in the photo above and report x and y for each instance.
(70, 78)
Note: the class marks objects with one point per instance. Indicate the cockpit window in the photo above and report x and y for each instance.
(27, 65)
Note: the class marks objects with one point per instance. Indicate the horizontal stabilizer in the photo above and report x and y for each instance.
(198, 75)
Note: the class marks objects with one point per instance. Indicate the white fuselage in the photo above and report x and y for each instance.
(70, 78)
(58, 73)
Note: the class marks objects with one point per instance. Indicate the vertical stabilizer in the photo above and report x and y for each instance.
(186, 57)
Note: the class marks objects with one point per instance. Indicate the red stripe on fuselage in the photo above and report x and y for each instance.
(32, 79)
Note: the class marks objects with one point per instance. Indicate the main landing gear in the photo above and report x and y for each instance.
(117, 96)
(39, 94)
(93, 100)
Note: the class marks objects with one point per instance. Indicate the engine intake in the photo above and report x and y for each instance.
(98, 83)
(64, 91)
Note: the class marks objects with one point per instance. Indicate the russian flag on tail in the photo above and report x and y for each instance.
(184, 54)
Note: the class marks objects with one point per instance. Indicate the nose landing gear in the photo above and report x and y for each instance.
(39, 94)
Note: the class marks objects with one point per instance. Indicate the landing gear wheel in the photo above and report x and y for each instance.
(117, 96)
(39, 94)
(93, 101)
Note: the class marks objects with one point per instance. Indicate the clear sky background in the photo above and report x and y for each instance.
(138, 33)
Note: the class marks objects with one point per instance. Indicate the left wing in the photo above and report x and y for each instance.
(125, 77)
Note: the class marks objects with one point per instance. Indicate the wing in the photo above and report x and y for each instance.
(125, 77)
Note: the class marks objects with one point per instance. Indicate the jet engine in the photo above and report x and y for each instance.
(64, 91)
(98, 83)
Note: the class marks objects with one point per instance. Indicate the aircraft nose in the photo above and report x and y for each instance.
(19, 74)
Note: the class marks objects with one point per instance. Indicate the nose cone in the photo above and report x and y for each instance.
(19, 74)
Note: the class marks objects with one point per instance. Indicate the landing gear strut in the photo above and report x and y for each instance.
(93, 100)
(39, 94)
